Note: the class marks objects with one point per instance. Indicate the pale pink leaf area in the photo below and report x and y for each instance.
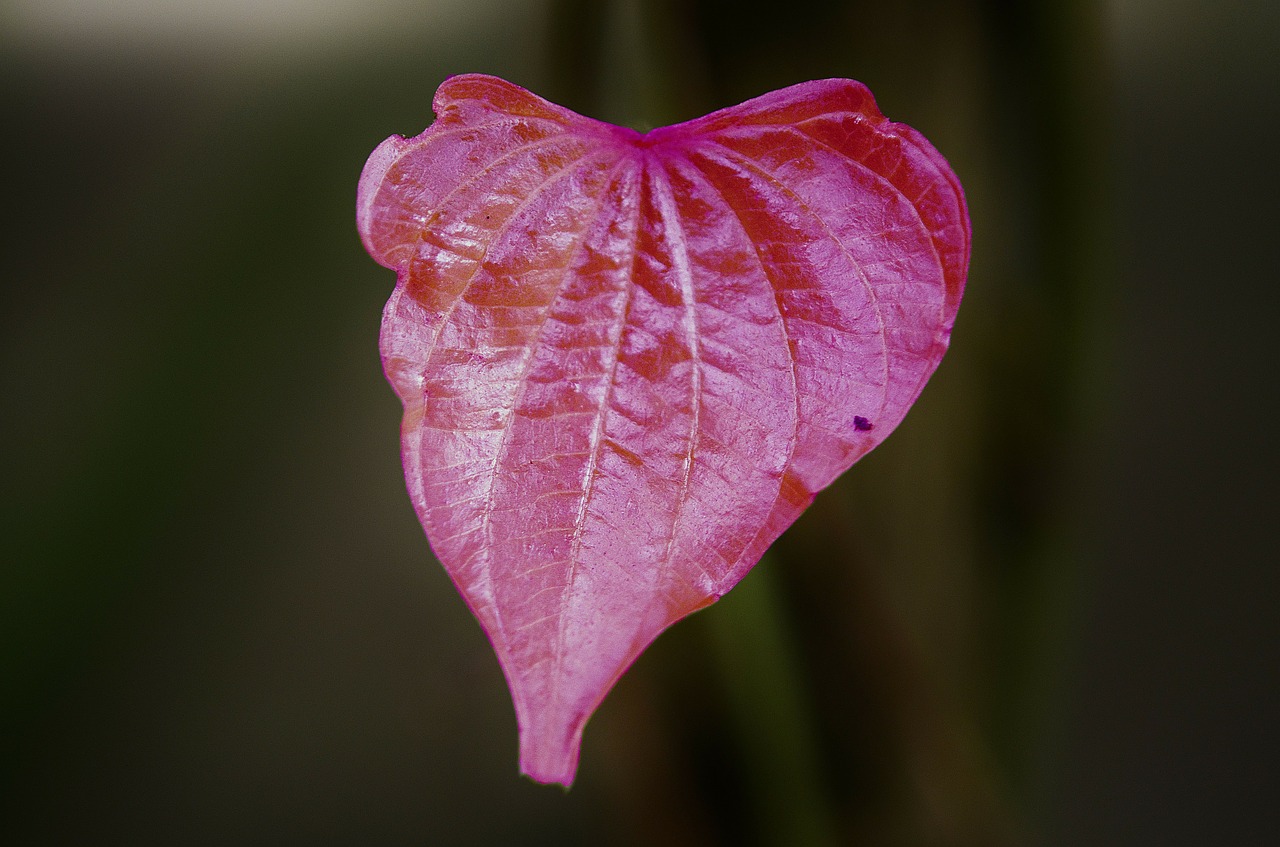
(629, 361)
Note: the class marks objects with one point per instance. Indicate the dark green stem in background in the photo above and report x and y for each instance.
(755, 650)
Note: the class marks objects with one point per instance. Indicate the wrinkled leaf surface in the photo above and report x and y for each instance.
(628, 361)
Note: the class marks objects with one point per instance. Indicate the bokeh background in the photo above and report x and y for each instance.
(1044, 612)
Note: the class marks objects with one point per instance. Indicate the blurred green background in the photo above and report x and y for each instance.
(1044, 612)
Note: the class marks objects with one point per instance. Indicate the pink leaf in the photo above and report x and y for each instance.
(628, 361)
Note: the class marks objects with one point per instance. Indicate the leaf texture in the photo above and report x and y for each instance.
(629, 361)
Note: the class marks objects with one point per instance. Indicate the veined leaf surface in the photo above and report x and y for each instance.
(628, 361)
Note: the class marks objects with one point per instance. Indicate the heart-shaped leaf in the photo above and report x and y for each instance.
(628, 361)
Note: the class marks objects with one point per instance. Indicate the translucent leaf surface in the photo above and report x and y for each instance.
(628, 361)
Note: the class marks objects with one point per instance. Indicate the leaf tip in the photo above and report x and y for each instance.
(549, 751)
